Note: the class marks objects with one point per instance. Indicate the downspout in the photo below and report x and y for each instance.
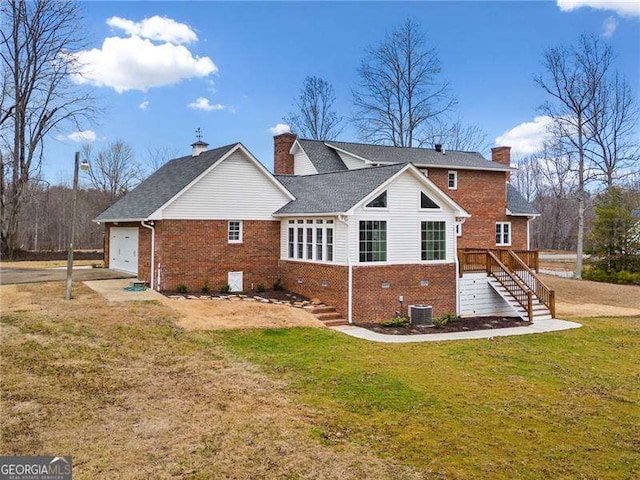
(457, 272)
(153, 252)
(343, 219)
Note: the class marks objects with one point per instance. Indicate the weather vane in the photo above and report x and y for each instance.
(198, 134)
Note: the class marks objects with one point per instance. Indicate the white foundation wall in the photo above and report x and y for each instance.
(477, 298)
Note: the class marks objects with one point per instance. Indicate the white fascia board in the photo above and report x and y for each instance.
(458, 210)
(109, 220)
(298, 215)
(532, 215)
(157, 215)
(460, 167)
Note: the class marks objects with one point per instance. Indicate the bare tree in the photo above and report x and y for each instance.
(36, 45)
(114, 170)
(156, 157)
(612, 127)
(573, 76)
(314, 116)
(399, 90)
(455, 136)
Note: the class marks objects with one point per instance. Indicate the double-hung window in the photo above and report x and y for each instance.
(503, 233)
(452, 182)
(292, 239)
(373, 241)
(434, 240)
(234, 231)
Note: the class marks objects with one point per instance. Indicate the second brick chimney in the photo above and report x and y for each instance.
(502, 155)
(282, 159)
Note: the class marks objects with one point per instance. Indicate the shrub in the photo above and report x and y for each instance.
(397, 321)
(205, 288)
(278, 285)
(225, 288)
(261, 288)
(439, 322)
(624, 277)
(182, 288)
(450, 317)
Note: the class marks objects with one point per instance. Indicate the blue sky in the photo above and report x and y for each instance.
(249, 61)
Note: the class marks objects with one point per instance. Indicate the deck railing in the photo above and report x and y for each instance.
(518, 290)
(474, 260)
(529, 278)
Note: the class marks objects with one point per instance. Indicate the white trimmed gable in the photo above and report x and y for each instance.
(301, 163)
(234, 188)
(351, 162)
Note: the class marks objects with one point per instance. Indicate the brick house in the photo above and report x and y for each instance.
(368, 229)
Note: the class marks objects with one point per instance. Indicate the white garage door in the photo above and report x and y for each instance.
(123, 249)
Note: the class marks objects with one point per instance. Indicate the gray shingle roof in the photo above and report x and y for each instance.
(418, 156)
(517, 204)
(325, 159)
(161, 186)
(333, 192)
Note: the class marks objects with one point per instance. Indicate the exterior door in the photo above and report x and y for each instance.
(234, 279)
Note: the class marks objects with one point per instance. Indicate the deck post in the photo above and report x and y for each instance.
(530, 306)
(552, 303)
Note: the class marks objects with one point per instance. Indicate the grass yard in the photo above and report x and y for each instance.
(563, 405)
(130, 394)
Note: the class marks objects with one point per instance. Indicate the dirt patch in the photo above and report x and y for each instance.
(226, 314)
(576, 298)
(15, 299)
(52, 264)
(462, 325)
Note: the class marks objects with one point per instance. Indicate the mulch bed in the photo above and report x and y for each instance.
(274, 295)
(462, 325)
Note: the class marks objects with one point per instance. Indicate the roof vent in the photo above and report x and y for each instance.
(198, 146)
(438, 147)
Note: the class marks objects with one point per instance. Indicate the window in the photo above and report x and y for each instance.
(373, 241)
(453, 180)
(379, 202)
(234, 231)
(503, 233)
(309, 243)
(300, 242)
(292, 245)
(458, 229)
(329, 244)
(434, 243)
(426, 202)
(319, 243)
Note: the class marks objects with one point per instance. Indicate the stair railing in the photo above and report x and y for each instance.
(529, 278)
(513, 285)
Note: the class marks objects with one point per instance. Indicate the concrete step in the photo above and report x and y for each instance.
(328, 316)
(335, 322)
(315, 309)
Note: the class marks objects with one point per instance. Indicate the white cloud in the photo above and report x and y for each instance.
(135, 63)
(144, 105)
(621, 7)
(280, 128)
(609, 27)
(82, 136)
(526, 138)
(202, 103)
(162, 29)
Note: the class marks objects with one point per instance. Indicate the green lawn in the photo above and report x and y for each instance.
(557, 405)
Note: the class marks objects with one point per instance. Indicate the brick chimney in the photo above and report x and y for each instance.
(502, 155)
(282, 159)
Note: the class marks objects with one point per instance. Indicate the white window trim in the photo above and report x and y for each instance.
(302, 224)
(378, 209)
(239, 240)
(446, 243)
(455, 179)
(420, 192)
(501, 244)
(386, 228)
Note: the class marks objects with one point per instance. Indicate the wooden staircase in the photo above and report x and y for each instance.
(514, 280)
(327, 315)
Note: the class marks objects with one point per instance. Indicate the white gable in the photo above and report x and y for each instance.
(233, 189)
(302, 165)
(352, 162)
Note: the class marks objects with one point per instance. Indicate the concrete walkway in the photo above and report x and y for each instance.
(538, 327)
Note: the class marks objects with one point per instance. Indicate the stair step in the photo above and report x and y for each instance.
(315, 309)
(328, 316)
(335, 322)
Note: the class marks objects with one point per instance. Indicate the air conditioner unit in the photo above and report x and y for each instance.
(421, 315)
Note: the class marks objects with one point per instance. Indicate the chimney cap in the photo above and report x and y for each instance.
(438, 147)
(199, 143)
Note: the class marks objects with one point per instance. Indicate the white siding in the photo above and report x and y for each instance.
(352, 162)
(302, 165)
(404, 217)
(235, 189)
(478, 298)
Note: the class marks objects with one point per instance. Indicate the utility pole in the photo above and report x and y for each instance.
(74, 206)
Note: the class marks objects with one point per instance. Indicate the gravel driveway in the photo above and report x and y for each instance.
(12, 275)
